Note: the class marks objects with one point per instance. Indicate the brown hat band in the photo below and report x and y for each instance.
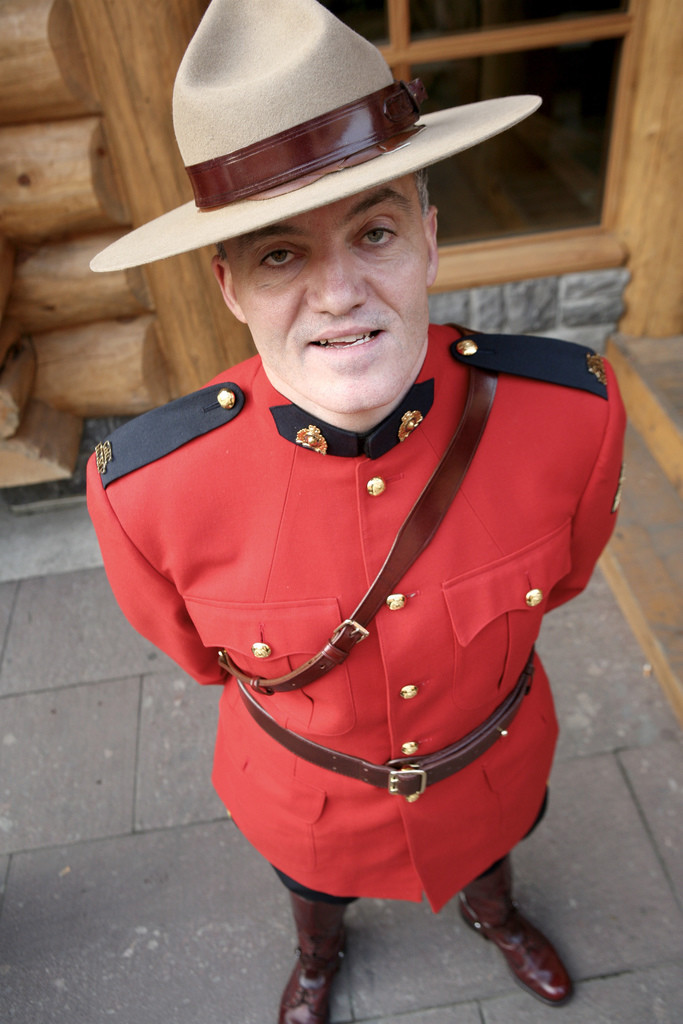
(324, 142)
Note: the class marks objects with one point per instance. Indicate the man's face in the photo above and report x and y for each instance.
(336, 301)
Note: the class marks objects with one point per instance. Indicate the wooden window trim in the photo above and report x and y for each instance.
(547, 254)
(541, 254)
(533, 35)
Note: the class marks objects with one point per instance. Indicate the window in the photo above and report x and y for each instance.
(552, 172)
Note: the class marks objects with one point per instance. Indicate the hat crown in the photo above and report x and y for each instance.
(255, 68)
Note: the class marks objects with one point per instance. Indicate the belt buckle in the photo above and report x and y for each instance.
(412, 769)
(359, 632)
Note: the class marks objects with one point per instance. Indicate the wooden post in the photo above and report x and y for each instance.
(648, 215)
(135, 49)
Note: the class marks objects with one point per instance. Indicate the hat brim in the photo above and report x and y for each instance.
(445, 133)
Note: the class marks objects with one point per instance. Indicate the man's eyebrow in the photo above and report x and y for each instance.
(245, 242)
(382, 195)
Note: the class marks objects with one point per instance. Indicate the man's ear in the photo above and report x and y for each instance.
(221, 271)
(430, 226)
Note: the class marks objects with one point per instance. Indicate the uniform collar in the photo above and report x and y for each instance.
(299, 427)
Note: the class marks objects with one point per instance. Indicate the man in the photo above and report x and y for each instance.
(246, 529)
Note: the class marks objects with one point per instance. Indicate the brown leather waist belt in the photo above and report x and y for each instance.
(409, 776)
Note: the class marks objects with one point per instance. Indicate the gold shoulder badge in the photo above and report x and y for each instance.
(596, 366)
(311, 437)
(102, 456)
(409, 421)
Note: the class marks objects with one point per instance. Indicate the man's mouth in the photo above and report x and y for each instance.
(347, 341)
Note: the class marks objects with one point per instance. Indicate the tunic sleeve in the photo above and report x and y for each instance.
(149, 601)
(596, 512)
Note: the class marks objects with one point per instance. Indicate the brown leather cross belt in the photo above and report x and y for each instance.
(408, 776)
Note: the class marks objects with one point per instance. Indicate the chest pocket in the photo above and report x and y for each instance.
(288, 634)
(496, 615)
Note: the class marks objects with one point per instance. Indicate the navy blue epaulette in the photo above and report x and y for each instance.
(161, 431)
(545, 359)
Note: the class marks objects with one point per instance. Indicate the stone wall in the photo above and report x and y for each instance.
(584, 307)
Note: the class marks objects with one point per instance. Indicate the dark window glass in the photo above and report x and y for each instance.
(544, 174)
(367, 17)
(430, 16)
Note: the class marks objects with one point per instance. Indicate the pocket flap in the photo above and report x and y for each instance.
(481, 596)
(289, 628)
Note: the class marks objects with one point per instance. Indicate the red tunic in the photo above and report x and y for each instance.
(241, 537)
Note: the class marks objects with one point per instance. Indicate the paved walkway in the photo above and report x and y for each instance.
(128, 896)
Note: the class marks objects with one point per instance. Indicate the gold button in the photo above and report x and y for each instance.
(396, 601)
(467, 347)
(534, 597)
(410, 747)
(261, 650)
(413, 797)
(225, 398)
(409, 691)
(376, 486)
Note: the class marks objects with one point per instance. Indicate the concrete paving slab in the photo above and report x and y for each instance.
(7, 596)
(468, 1014)
(67, 764)
(68, 628)
(161, 928)
(591, 879)
(656, 775)
(57, 541)
(603, 694)
(177, 734)
(4, 868)
(640, 997)
(402, 957)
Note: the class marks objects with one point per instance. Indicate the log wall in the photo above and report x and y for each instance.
(87, 152)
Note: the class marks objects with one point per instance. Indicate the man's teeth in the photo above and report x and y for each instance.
(350, 339)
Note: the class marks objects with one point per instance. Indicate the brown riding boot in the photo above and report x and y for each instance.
(320, 931)
(486, 904)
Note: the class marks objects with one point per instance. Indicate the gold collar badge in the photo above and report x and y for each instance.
(409, 421)
(596, 366)
(311, 437)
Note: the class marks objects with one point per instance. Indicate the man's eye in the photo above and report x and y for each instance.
(376, 235)
(277, 257)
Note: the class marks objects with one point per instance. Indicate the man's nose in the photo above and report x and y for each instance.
(335, 285)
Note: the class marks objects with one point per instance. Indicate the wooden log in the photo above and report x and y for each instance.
(10, 332)
(43, 70)
(648, 214)
(57, 179)
(102, 369)
(6, 270)
(54, 287)
(17, 373)
(135, 53)
(45, 447)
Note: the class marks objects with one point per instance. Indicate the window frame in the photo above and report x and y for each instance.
(537, 254)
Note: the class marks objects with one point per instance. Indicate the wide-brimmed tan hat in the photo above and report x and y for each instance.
(279, 108)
